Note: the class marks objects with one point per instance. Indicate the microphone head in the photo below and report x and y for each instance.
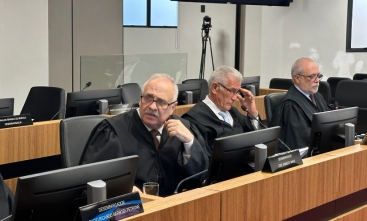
(244, 107)
(88, 84)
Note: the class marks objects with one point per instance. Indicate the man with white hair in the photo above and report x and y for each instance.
(169, 147)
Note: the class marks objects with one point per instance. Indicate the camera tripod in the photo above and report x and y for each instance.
(204, 41)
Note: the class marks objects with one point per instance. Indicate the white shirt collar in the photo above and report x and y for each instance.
(148, 128)
(304, 93)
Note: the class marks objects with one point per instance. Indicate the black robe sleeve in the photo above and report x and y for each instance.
(103, 144)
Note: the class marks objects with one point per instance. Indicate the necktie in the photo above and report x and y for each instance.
(313, 99)
(154, 134)
(224, 115)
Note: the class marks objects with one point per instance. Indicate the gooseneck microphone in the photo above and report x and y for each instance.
(86, 86)
(188, 178)
(244, 108)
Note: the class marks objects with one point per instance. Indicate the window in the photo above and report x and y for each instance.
(150, 13)
(356, 26)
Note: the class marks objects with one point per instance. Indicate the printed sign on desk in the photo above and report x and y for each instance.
(116, 208)
(15, 121)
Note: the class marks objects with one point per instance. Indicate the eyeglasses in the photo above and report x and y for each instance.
(232, 90)
(313, 77)
(161, 104)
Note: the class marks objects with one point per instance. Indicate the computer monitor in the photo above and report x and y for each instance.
(6, 106)
(234, 156)
(194, 88)
(57, 195)
(328, 129)
(83, 103)
(254, 80)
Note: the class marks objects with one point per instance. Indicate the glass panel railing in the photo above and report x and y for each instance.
(109, 71)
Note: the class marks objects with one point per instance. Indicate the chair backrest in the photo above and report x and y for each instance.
(204, 86)
(271, 102)
(280, 83)
(359, 76)
(353, 93)
(44, 102)
(6, 199)
(74, 134)
(6, 106)
(324, 90)
(333, 83)
(130, 93)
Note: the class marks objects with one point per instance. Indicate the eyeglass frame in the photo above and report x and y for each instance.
(313, 77)
(229, 90)
(157, 104)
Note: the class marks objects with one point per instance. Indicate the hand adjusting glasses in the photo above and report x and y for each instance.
(312, 77)
(162, 104)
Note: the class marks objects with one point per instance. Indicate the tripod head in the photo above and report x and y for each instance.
(206, 24)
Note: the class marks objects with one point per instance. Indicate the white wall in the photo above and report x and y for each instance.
(308, 28)
(187, 37)
(23, 48)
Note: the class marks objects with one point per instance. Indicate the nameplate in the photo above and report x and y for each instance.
(115, 208)
(15, 121)
(282, 161)
(115, 109)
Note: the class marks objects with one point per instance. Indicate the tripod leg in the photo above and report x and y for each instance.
(211, 51)
(203, 55)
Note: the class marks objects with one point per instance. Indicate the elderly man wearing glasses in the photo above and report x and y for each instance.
(169, 147)
(215, 116)
(294, 113)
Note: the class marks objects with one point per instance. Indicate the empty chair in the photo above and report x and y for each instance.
(130, 93)
(360, 76)
(280, 83)
(6, 106)
(44, 102)
(204, 86)
(271, 101)
(324, 90)
(353, 93)
(333, 82)
(74, 134)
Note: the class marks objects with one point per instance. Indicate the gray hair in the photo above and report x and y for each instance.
(297, 67)
(161, 75)
(221, 74)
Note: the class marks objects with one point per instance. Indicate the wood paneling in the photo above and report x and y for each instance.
(29, 142)
(354, 215)
(265, 91)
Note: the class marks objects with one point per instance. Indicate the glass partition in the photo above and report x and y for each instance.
(109, 71)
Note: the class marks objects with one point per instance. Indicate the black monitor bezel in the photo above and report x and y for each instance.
(252, 80)
(329, 122)
(83, 103)
(194, 87)
(58, 189)
(242, 145)
(6, 107)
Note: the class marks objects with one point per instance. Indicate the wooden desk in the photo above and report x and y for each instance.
(265, 91)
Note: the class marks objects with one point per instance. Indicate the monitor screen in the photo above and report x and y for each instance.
(57, 195)
(233, 156)
(327, 129)
(6, 106)
(195, 88)
(254, 80)
(83, 103)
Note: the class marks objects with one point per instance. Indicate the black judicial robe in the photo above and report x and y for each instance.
(6, 199)
(211, 127)
(294, 115)
(126, 135)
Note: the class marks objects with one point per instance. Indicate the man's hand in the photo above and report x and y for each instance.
(248, 100)
(176, 128)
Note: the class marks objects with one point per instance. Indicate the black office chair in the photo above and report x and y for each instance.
(324, 90)
(44, 102)
(280, 83)
(6, 199)
(353, 93)
(6, 106)
(204, 86)
(74, 134)
(333, 83)
(360, 76)
(130, 93)
(271, 101)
